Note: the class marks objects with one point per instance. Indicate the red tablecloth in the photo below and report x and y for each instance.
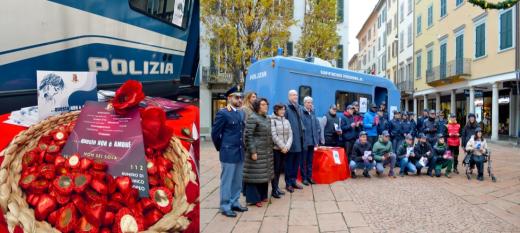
(189, 119)
(329, 165)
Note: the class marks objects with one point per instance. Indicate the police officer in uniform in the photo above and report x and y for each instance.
(227, 135)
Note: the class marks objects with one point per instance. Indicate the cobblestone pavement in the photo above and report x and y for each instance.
(408, 204)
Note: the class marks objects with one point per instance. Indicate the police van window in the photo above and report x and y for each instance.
(303, 92)
(170, 11)
(344, 97)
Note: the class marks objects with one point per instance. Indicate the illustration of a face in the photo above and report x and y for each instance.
(50, 86)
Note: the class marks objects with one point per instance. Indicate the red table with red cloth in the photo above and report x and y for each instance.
(189, 119)
(329, 165)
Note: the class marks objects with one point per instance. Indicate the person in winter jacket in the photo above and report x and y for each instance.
(442, 124)
(411, 118)
(454, 140)
(469, 129)
(407, 125)
(258, 163)
(422, 150)
(396, 130)
(311, 140)
(359, 159)
(383, 108)
(370, 122)
(405, 154)
(383, 155)
(358, 117)
(282, 138)
(384, 123)
(349, 128)
(478, 148)
(430, 128)
(420, 121)
(442, 157)
(294, 115)
(331, 127)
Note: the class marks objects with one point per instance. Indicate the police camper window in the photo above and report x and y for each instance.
(303, 92)
(170, 11)
(344, 98)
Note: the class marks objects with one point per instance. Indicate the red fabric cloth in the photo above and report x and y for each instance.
(453, 129)
(325, 170)
(189, 117)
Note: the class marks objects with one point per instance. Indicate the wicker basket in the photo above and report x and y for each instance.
(17, 211)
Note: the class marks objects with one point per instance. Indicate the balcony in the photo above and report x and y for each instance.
(453, 71)
(406, 87)
(215, 79)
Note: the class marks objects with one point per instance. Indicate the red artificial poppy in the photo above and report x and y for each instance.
(155, 132)
(127, 96)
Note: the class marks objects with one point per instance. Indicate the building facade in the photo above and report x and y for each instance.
(465, 63)
(215, 83)
(368, 41)
(392, 39)
(353, 63)
(405, 62)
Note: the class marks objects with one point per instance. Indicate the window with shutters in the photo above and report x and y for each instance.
(401, 14)
(506, 29)
(339, 62)
(430, 16)
(459, 53)
(340, 11)
(419, 24)
(401, 41)
(429, 59)
(418, 60)
(480, 39)
(442, 62)
(444, 8)
(289, 48)
(410, 33)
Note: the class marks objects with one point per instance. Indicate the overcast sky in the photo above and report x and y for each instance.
(359, 10)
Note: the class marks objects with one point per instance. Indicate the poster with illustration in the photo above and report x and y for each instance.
(60, 91)
(363, 104)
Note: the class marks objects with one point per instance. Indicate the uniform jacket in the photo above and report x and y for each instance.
(227, 135)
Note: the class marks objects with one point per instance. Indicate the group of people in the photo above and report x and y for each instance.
(255, 148)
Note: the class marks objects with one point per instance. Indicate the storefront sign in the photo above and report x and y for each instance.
(477, 93)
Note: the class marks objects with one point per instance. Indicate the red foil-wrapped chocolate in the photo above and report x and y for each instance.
(46, 204)
(118, 197)
(73, 161)
(99, 165)
(66, 218)
(27, 180)
(64, 184)
(99, 186)
(152, 169)
(93, 196)
(162, 198)
(60, 198)
(59, 161)
(124, 184)
(60, 136)
(62, 171)
(40, 186)
(146, 204)
(126, 221)
(30, 158)
(84, 226)
(105, 230)
(114, 206)
(33, 199)
(53, 149)
(95, 213)
(85, 164)
(111, 183)
(153, 180)
(42, 146)
(152, 216)
(81, 182)
(130, 198)
(164, 165)
(98, 175)
(52, 217)
(79, 203)
(108, 220)
(49, 158)
(48, 171)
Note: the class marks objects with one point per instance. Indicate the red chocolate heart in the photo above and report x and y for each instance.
(152, 216)
(162, 199)
(124, 184)
(46, 204)
(59, 161)
(66, 218)
(81, 182)
(126, 221)
(64, 184)
(48, 171)
(108, 220)
(95, 213)
(85, 164)
(84, 226)
(99, 186)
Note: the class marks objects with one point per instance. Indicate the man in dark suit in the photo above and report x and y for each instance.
(294, 115)
(227, 135)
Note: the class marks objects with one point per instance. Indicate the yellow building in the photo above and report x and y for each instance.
(464, 60)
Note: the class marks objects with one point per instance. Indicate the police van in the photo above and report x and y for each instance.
(153, 41)
(272, 78)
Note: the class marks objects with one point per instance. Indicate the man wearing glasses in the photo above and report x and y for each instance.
(227, 135)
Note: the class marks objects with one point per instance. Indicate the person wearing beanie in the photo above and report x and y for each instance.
(370, 123)
(478, 148)
(420, 121)
(383, 155)
(361, 157)
(454, 140)
(469, 129)
(442, 157)
(422, 152)
(430, 128)
(405, 154)
(396, 130)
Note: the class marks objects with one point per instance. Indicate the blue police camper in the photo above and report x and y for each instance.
(153, 41)
(272, 78)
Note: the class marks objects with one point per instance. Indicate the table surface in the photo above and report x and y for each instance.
(189, 119)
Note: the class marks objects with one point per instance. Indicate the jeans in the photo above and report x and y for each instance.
(306, 163)
(372, 140)
(365, 165)
(479, 162)
(396, 141)
(279, 161)
(380, 165)
(230, 185)
(406, 166)
(291, 167)
(431, 164)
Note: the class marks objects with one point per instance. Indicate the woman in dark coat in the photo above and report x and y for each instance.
(258, 164)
